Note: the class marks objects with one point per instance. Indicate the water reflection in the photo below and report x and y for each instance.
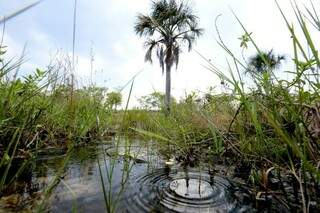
(150, 186)
(182, 190)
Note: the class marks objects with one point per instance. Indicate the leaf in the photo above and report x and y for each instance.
(39, 72)
(150, 134)
(6, 158)
(245, 38)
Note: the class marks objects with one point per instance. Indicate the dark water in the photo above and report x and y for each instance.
(137, 179)
(182, 190)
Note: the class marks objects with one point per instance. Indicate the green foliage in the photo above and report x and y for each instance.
(114, 99)
(195, 121)
(154, 101)
(35, 112)
(245, 39)
(274, 122)
(278, 121)
(2, 53)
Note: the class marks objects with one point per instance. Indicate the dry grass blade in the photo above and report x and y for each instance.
(18, 12)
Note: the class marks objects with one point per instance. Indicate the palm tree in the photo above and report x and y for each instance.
(169, 26)
(265, 61)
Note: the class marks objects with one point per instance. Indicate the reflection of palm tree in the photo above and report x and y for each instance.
(169, 25)
(186, 172)
(265, 61)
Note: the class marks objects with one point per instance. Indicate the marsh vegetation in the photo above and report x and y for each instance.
(254, 147)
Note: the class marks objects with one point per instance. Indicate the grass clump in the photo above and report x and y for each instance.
(39, 111)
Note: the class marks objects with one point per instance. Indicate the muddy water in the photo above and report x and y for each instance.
(136, 179)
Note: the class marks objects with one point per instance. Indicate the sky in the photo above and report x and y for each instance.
(104, 33)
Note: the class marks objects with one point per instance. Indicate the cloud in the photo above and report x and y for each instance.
(13, 48)
(119, 53)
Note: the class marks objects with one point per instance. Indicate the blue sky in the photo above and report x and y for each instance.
(106, 26)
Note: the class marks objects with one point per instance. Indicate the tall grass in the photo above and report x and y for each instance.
(43, 110)
(274, 123)
(278, 119)
(35, 113)
(106, 171)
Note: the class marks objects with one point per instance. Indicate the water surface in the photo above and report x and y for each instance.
(136, 179)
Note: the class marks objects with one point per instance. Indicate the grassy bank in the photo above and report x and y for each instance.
(42, 110)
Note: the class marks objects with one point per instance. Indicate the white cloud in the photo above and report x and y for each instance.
(120, 54)
(13, 48)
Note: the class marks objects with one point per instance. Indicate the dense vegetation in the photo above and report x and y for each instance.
(41, 110)
(272, 127)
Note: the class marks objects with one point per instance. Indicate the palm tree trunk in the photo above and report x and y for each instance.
(167, 101)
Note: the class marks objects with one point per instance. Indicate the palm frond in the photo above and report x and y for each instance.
(169, 24)
(196, 30)
(161, 55)
(190, 39)
(176, 55)
(144, 25)
(150, 44)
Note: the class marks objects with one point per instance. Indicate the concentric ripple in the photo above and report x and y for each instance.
(174, 190)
